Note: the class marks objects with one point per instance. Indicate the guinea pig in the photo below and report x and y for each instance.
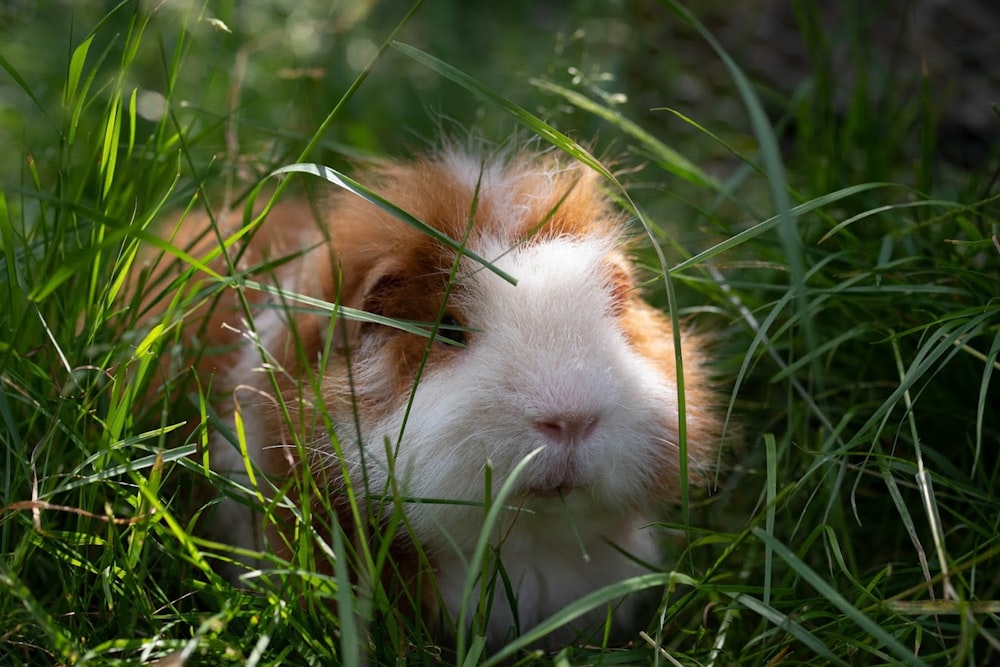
(459, 370)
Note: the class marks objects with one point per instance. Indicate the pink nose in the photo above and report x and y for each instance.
(567, 429)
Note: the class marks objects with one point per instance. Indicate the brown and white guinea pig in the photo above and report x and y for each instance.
(569, 360)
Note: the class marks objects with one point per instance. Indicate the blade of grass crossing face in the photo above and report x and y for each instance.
(482, 543)
(810, 576)
(349, 184)
(424, 329)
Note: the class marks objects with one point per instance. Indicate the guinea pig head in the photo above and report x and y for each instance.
(566, 359)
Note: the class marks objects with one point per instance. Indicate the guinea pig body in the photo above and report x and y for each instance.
(569, 366)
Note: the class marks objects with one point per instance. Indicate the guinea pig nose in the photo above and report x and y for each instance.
(567, 429)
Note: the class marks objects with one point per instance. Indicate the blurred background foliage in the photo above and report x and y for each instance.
(258, 77)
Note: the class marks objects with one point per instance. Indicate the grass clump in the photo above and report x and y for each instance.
(850, 275)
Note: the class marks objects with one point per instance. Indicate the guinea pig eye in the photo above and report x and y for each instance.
(448, 330)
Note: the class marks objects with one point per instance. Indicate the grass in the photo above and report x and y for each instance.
(852, 283)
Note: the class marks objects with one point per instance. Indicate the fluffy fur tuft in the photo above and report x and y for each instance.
(570, 360)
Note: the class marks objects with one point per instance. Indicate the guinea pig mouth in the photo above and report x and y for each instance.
(559, 479)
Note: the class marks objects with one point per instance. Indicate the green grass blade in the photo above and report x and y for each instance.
(793, 628)
(111, 240)
(347, 183)
(772, 222)
(76, 63)
(886, 209)
(942, 345)
(109, 151)
(585, 604)
(900, 652)
(483, 542)
(666, 157)
(984, 386)
(771, 480)
(65, 645)
(424, 329)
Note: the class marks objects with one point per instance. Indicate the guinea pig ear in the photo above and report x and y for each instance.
(356, 288)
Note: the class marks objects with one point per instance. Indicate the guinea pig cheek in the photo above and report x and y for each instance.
(650, 344)
(391, 364)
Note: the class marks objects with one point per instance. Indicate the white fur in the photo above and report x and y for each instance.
(549, 569)
(544, 348)
(494, 180)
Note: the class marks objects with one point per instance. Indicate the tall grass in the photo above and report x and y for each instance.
(852, 284)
